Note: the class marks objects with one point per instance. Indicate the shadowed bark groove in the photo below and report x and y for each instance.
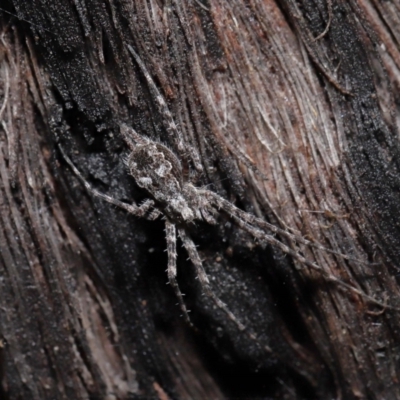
(293, 109)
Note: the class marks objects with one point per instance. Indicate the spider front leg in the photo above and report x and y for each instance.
(172, 129)
(133, 209)
(170, 232)
(131, 137)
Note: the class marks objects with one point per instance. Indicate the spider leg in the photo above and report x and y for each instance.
(205, 283)
(208, 217)
(170, 232)
(203, 278)
(252, 220)
(162, 105)
(163, 109)
(128, 133)
(134, 209)
(154, 214)
(263, 237)
(322, 34)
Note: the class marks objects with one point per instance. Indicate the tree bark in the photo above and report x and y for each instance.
(293, 107)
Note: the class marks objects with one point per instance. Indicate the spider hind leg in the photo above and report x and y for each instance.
(205, 283)
(203, 278)
(170, 231)
(262, 236)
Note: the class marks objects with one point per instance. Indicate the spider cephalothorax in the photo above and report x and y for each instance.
(157, 170)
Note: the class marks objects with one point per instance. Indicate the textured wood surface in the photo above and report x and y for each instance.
(294, 109)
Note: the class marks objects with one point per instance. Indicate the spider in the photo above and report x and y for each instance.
(158, 171)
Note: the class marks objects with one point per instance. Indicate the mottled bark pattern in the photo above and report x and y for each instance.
(289, 110)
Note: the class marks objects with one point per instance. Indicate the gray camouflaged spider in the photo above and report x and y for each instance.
(158, 170)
